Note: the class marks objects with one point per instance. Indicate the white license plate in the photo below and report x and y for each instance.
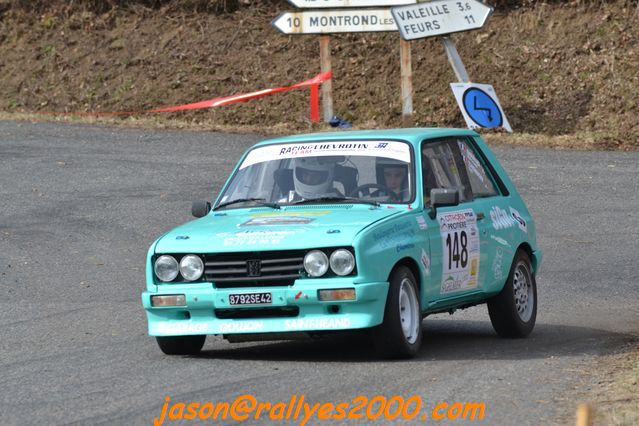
(250, 299)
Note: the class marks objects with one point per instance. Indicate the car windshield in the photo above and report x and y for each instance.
(327, 172)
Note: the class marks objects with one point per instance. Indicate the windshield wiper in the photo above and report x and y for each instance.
(329, 199)
(260, 201)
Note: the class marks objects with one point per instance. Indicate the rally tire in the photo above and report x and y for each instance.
(181, 345)
(513, 311)
(400, 335)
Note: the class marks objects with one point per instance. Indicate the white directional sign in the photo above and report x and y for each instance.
(316, 4)
(440, 17)
(335, 21)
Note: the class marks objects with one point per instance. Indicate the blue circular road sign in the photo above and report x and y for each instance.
(482, 108)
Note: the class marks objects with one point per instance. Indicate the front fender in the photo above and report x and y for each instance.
(380, 247)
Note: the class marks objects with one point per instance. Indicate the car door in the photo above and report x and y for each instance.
(457, 234)
(493, 208)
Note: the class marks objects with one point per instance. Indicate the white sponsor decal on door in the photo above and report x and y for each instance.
(520, 220)
(460, 247)
(500, 218)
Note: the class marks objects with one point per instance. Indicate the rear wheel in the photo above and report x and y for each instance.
(181, 345)
(513, 311)
(400, 335)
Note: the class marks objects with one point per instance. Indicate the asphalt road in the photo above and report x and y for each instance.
(79, 206)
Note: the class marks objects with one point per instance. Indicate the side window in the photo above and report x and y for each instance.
(443, 167)
(480, 181)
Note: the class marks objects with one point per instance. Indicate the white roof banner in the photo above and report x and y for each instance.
(389, 149)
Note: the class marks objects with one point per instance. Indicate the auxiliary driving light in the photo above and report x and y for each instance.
(168, 300)
(336, 294)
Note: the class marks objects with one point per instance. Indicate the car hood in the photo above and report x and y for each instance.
(290, 228)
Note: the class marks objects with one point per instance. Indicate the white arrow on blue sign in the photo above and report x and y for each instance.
(316, 4)
(480, 106)
(440, 17)
(335, 21)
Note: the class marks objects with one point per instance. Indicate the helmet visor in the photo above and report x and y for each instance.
(311, 177)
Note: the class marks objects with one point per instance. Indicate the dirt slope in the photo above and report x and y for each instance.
(560, 68)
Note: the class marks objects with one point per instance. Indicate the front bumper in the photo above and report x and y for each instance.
(202, 301)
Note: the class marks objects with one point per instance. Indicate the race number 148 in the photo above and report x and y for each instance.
(455, 241)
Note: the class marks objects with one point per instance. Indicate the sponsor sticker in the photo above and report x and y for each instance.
(426, 262)
(500, 240)
(497, 264)
(285, 214)
(521, 222)
(402, 247)
(239, 327)
(389, 149)
(281, 220)
(421, 222)
(395, 235)
(472, 163)
(317, 323)
(253, 237)
(182, 327)
(460, 248)
(501, 219)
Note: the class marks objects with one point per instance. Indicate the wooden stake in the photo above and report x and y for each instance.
(327, 86)
(407, 82)
(584, 415)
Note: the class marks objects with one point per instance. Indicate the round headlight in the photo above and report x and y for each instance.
(166, 268)
(191, 267)
(316, 263)
(342, 262)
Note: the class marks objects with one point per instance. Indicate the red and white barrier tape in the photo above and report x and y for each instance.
(313, 83)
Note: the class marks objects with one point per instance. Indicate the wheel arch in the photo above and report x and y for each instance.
(411, 264)
(525, 247)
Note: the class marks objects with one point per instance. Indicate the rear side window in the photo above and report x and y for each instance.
(443, 167)
(480, 181)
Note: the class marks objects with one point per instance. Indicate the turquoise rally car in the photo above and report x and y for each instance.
(328, 232)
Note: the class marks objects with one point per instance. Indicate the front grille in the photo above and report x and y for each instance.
(271, 268)
(246, 313)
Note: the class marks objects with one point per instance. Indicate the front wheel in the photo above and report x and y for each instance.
(400, 335)
(181, 345)
(513, 311)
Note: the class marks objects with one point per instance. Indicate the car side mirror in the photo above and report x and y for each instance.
(442, 197)
(200, 208)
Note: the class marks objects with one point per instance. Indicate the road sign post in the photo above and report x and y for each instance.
(327, 87)
(407, 82)
(455, 60)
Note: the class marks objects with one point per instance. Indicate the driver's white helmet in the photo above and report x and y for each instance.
(313, 177)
